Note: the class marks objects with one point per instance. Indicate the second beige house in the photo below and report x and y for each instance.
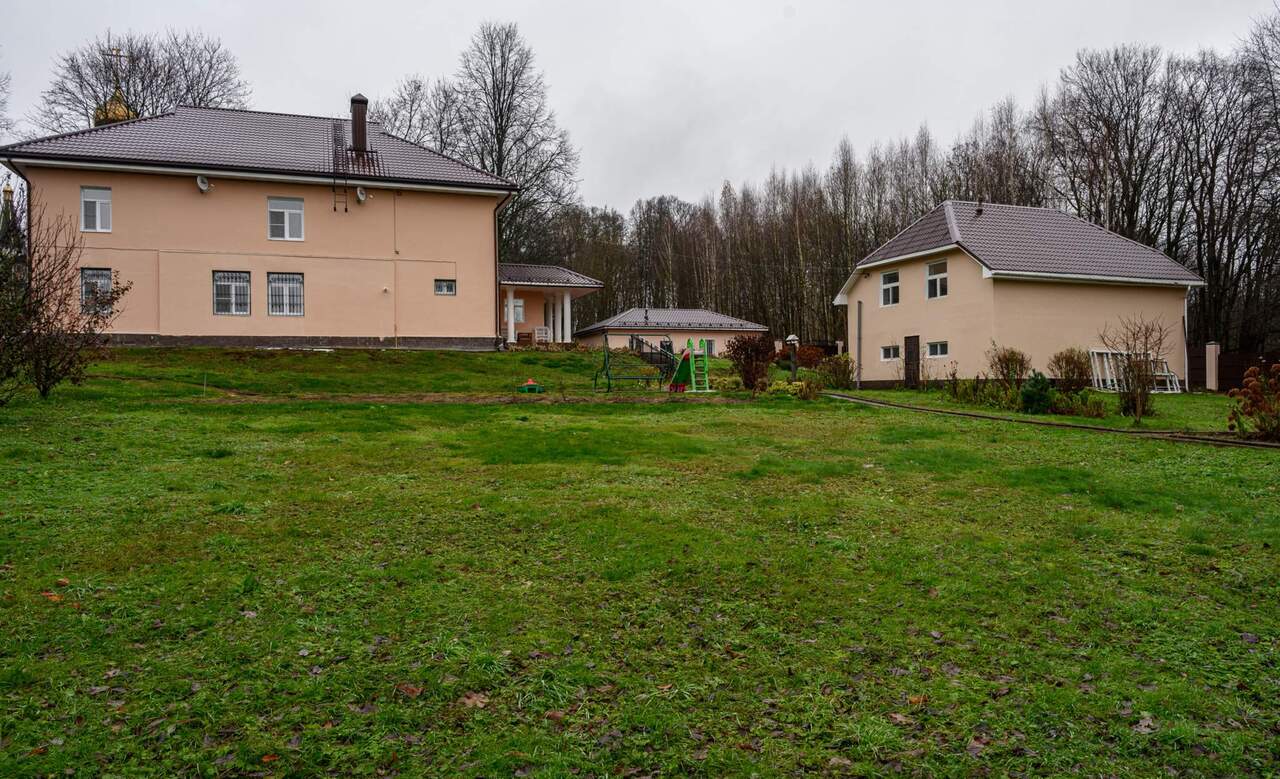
(966, 275)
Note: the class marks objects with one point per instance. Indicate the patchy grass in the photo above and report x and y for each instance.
(1199, 412)
(330, 586)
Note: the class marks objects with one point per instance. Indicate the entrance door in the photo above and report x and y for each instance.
(911, 361)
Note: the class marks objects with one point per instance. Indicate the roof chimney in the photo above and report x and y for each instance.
(359, 124)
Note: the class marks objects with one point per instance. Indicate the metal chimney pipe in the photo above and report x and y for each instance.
(359, 123)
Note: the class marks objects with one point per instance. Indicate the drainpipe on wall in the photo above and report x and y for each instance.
(858, 375)
(497, 271)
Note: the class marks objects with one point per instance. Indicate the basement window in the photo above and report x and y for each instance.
(938, 349)
(284, 294)
(889, 288)
(284, 218)
(95, 285)
(95, 209)
(890, 353)
(231, 293)
(936, 281)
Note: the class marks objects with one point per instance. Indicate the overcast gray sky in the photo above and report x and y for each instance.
(663, 97)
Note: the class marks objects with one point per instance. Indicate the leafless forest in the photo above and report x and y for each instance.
(1180, 153)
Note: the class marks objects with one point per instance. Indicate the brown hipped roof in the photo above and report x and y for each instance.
(255, 141)
(671, 319)
(519, 273)
(1019, 240)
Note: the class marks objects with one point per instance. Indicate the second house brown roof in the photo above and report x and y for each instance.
(256, 141)
(1020, 240)
(671, 319)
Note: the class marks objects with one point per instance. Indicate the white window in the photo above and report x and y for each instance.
(936, 281)
(284, 218)
(95, 209)
(284, 294)
(888, 353)
(95, 283)
(938, 349)
(889, 288)
(446, 286)
(231, 293)
(518, 305)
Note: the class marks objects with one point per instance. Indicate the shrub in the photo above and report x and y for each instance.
(810, 356)
(727, 384)
(804, 390)
(1257, 404)
(838, 371)
(751, 356)
(1141, 344)
(1009, 366)
(1036, 393)
(1072, 368)
(1077, 404)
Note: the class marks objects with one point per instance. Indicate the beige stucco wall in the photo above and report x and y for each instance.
(679, 338)
(1039, 318)
(368, 272)
(964, 318)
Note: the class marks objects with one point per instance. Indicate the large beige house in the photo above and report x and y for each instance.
(243, 227)
(967, 275)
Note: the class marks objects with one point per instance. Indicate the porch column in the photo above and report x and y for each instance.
(553, 321)
(568, 319)
(511, 315)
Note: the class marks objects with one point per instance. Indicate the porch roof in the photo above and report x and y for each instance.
(519, 274)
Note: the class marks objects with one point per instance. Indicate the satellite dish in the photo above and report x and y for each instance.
(202, 183)
(361, 195)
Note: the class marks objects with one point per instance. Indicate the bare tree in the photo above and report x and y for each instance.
(422, 113)
(56, 316)
(6, 124)
(509, 130)
(1141, 345)
(147, 74)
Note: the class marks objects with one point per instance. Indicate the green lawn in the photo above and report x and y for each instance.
(194, 583)
(1195, 411)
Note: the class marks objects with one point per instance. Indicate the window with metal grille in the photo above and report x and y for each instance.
(889, 288)
(284, 218)
(936, 280)
(231, 293)
(284, 294)
(95, 209)
(446, 286)
(95, 286)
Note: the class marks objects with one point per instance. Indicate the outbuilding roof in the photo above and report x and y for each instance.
(255, 141)
(1020, 241)
(671, 319)
(522, 274)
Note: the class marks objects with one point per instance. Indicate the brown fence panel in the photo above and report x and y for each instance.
(1195, 368)
(1232, 365)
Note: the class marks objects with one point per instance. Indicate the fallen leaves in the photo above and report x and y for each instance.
(1146, 725)
(52, 597)
(917, 700)
(474, 700)
(900, 719)
(408, 690)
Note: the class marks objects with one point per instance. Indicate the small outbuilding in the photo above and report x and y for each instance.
(676, 325)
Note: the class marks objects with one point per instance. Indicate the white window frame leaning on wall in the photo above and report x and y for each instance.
(95, 209)
(285, 227)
